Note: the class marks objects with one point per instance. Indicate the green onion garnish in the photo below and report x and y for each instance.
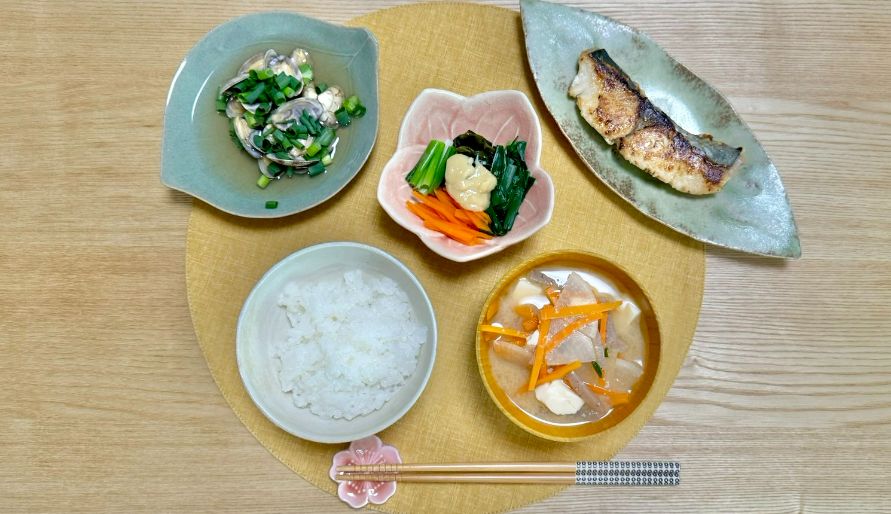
(598, 369)
(327, 159)
(263, 181)
(254, 94)
(343, 117)
(316, 169)
(221, 104)
(288, 91)
(354, 106)
(321, 88)
(326, 137)
(606, 352)
(313, 149)
(282, 80)
(271, 204)
(263, 74)
(306, 72)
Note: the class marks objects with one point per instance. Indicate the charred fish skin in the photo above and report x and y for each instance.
(616, 107)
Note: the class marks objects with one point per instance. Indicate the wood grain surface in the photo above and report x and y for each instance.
(106, 404)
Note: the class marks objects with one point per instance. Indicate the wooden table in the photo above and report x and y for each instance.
(784, 403)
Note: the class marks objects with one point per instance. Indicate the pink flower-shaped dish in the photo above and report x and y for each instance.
(499, 116)
(370, 450)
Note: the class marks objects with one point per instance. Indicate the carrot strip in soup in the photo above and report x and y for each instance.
(569, 329)
(492, 310)
(603, 328)
(504, 331)
(550, 312)
(539, 352)
(616, 397)
(552, 293)
(560, 372)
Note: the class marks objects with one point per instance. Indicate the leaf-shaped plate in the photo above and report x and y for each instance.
(197, 156)
(751, 214)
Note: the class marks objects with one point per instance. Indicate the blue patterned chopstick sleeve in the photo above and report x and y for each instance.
(627, 473)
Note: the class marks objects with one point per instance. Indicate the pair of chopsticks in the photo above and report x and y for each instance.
(581, 473)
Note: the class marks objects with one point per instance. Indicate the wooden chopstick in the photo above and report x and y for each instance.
(470, 467)
(583, 473)
(485, 478)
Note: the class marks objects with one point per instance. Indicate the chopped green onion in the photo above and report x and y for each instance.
(327, 159)
(282, 80)
(354, 106)
(326, 137)
(275, 169)
(606, 352)
(263, 107)
(279, 98)
(294, 83)
(289, 91)
(258, 140)
(284, 156)
(313, 149)
(315, 169)
(221, 104)
(264, 74)
(271, 204)
(254, 120)
(343, 117)
(263, 181)
(254, 94)
(598, 369)
(321, 88)
(290, 172)
(306, 72)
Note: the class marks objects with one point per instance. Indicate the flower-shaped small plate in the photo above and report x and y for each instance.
(499, 116)
(357, 493)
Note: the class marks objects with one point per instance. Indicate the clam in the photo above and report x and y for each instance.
(331, 100)
(300, 56)
(293, 109)
(244, 134)
(282, 64)
(234, 109)
(254, 62)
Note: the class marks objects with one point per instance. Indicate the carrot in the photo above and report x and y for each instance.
(601, 382)
(560, 372)
(529, 325)
(450, 231)
(445, 210)
(569, 329)
(539, 353)
(549, 312)
(504, 331)
(603, 328)
(476, 221)
(447, 199)
(552, 293)
(422, 211)
(615, 396)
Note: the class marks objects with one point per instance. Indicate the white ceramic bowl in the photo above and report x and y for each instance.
(499, 116)
(262, 321)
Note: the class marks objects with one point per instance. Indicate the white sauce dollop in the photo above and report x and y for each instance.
(469, 184)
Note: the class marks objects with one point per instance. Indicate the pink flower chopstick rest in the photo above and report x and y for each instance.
(357, 493)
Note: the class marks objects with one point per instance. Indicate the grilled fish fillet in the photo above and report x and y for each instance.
(644, 135)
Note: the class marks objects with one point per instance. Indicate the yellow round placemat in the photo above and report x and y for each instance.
(468, 49)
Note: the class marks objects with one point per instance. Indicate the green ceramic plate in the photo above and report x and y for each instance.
(751, 214)
(198, 157)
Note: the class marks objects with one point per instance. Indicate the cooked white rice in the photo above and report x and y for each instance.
(353, 342)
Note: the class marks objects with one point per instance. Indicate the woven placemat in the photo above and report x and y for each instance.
(468, 49)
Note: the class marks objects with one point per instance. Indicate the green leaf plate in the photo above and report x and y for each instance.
(751, 213)
(197, 156)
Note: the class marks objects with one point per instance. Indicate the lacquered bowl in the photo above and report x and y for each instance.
(262, 321)
(499, 116)
(623, 281)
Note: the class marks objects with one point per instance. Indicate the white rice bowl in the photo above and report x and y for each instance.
(352, 344)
